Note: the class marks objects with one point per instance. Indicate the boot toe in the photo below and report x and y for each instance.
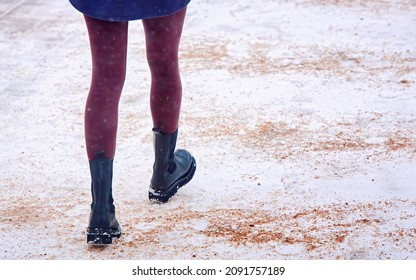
(183, 159)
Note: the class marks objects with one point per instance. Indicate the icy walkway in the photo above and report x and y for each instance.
(301, 115)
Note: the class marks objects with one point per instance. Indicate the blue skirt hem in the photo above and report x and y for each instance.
(127, 10)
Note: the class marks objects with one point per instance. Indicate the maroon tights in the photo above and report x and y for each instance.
(108, 41)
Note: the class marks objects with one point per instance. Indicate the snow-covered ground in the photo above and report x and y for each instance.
(301, 115)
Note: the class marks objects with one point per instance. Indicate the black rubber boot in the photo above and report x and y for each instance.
(103, 225)
(171, 170)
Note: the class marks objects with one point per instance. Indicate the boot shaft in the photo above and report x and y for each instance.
(164, 147)
(101, 170)
(164, 165)
(102, 207)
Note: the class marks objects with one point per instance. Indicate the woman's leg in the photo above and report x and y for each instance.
(171, 169)
(162, 42)
(108, 41)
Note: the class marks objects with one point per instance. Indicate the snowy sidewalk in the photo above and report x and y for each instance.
(301, 116)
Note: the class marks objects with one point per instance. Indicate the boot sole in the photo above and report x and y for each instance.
(162, 197)
(102, 236)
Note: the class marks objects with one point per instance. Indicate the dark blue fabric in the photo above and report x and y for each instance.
(125, 10)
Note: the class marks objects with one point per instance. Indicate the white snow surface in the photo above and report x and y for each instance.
(301, 116)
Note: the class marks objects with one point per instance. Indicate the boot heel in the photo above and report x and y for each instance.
(102, 236)
(99, 237)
